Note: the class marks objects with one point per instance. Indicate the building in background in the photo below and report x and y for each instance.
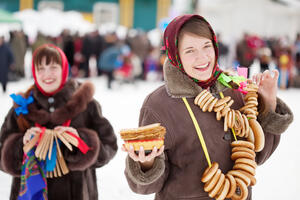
(140, 14)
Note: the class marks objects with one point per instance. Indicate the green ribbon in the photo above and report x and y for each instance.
(225, 79)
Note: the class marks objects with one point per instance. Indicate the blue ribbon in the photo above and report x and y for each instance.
(50, 164)
(22, 102)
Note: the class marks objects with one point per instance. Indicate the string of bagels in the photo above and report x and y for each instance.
(243, 123)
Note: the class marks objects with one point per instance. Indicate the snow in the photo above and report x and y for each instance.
(277, 179)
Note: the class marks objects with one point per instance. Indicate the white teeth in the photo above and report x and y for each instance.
(201, 66)
(48, 81)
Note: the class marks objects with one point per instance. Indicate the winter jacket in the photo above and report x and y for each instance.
(75, 101)
(177, 173)
(6, 59)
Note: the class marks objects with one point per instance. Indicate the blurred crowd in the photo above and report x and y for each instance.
(134, 57)
(264, 53)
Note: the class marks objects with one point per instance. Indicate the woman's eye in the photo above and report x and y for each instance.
(208, 46)
(189, 51)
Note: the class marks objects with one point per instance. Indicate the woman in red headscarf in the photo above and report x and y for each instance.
(65, 106)
(194, 86)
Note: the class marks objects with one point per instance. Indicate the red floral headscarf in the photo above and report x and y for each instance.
(64, 65)
(171, 46)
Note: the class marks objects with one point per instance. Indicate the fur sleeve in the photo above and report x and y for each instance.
(276, 122)
(105, 133)
(76, 160)
(147, 182)
(11, 144)
(12, 154)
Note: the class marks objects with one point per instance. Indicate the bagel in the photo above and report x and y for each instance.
(243, 189)
(249, 111)
(239, 174)
(229, 119)
(243, 126)
(212, 104)
(217, 187)
(202, 98)
(218, 116)
(219, 108)
(212, 182)
(242, 143)
(207, 103)
(241, 154)
(258, 133)
(243, 149)
(225, 123)
(250, 94)
(224, 111)
(247, 127)
(252, 98)
(224, 190)
(252, 178)
(247, 161)
(223, 101)
(238, 120)
(250, 137)
(251, 116)
(209, 172)
(232, 185)
(198, 96)
(244, 167)
(232, 119)
(230, 103)
(202, 103)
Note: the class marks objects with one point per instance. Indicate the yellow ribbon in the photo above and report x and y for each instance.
(197, 130)
(233, 132)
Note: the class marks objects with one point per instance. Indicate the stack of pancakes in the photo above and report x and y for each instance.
(149, 136)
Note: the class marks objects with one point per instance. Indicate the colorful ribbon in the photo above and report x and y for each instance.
(33, 179)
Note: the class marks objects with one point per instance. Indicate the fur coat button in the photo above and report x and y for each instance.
(51, 100)
(227, 136)
(51, 109)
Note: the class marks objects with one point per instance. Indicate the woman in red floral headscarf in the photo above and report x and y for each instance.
(193, 78)
(64, 106)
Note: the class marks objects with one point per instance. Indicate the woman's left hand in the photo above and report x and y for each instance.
(267, 87)
(62, 129)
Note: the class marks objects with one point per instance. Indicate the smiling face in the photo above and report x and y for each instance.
(197, 56)
(48, 76)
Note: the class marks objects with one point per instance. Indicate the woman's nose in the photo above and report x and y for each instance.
(201, 56)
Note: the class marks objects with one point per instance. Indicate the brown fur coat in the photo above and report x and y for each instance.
(75, 101)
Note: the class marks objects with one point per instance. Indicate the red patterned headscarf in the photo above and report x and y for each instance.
(64, 65)
(171, 46)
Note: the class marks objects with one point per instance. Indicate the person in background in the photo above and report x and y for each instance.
(6, 61)
(62, 105)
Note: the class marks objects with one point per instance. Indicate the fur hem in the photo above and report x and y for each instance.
(277, 122)
(77, 161)
(139, 177)
(11, 157)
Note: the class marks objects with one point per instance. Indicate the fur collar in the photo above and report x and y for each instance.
(179, 85)
(69, 102)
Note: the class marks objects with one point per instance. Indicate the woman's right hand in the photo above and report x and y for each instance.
(30, 133)
(145, 161)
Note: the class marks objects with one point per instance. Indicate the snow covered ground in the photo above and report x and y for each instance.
(277, 179)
